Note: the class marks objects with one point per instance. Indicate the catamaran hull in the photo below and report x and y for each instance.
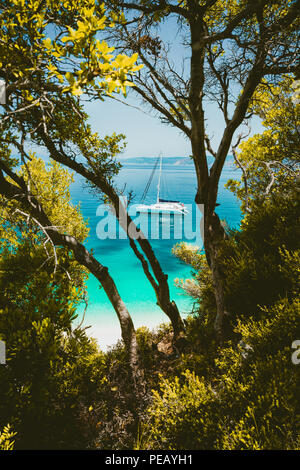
(159, 208)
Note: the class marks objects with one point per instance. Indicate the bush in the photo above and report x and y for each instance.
(251, 403)
(52, 372)
(181, 416)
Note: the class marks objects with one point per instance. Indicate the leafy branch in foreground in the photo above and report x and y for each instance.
(44, 82)
(6, 436)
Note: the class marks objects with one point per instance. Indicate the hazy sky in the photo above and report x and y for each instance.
(145, 134)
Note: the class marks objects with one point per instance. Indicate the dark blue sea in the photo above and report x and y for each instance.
(112, 249)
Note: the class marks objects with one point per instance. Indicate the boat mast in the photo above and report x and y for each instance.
(159, 178)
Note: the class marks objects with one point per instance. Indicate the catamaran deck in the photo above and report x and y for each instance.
(163, 207)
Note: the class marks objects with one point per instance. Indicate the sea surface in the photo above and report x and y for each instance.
(112, 249)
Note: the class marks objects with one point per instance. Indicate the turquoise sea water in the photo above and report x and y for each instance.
(179, 182)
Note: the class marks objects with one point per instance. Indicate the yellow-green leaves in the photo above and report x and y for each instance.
(270, 159)
(6, 436)
(95, 56)
(51, 186)
(48, 44)
(88, 25)
(60, 41)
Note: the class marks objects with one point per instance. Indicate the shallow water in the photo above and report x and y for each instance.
(179, 182)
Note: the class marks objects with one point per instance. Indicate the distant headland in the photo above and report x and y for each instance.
(174, 161)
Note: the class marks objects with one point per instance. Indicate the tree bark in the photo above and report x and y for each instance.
(163, 297)
(214, 234)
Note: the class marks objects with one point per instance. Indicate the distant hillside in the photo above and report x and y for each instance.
(174, 161)
(170, 161)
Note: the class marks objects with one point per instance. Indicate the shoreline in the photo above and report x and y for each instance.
(103, 325)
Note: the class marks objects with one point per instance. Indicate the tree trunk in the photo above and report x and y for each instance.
(125, 320)
(206, 191)
(214, 234)
(83, 257)
(161, 290)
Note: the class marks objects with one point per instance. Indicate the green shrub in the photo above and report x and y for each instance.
(52, 372)
(251, 402)
(181, 416)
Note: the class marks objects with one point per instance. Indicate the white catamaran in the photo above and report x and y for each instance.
(162, 205)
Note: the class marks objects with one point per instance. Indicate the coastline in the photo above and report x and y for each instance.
(103, 324)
